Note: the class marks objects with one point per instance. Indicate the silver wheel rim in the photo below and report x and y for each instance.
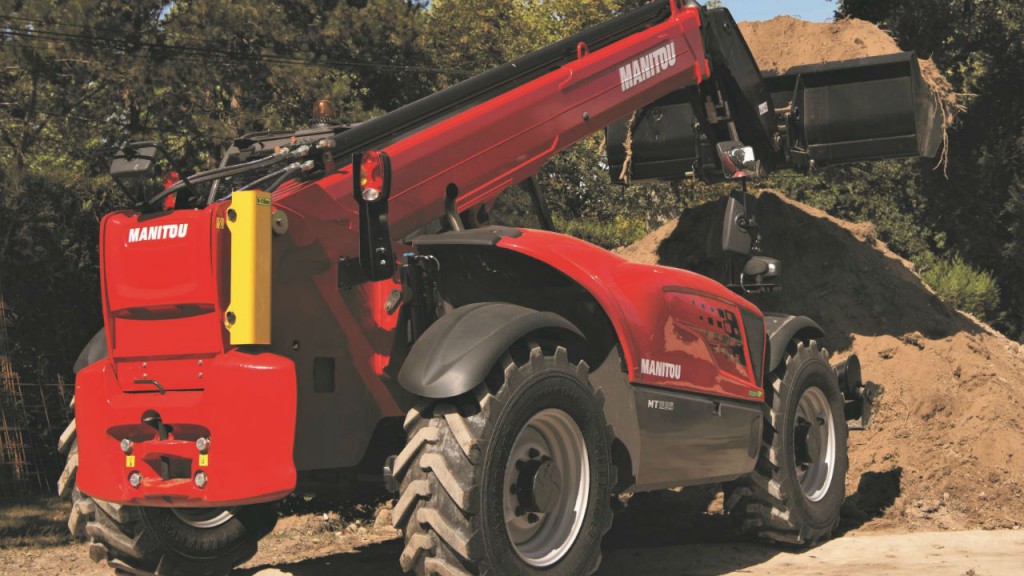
(204, 518)
(815, 444)
(550, 455)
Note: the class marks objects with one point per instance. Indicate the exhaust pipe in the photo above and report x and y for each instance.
(859, 397)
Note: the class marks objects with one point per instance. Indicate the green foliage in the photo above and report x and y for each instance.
(578, 187)
(971, 290)
(481, 34)
(979, 45)
(620, 230)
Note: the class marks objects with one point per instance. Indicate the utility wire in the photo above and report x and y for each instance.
(121, 125)
(178, 36)
(225, 55)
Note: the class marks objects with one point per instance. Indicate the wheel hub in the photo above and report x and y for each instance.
(204, 518)
(808, 442)
(814, 444)
(539, 485)
(547, 487)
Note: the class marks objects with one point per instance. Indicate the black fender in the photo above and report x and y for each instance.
(457, 351)
(782, 330)
(94, 351)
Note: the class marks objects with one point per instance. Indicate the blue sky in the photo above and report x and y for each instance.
(814, 10)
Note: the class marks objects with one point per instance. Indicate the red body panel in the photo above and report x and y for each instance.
(660, 314)
(164, 284)
(248, 411)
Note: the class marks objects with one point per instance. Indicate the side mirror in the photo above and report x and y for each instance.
(761, 274)
(135, 160)
(762, 269)
(738, 161)
(736, 236)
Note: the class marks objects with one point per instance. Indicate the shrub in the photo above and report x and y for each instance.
(969, 289)
(618, 231)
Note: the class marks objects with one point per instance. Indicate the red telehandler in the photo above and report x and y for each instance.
(337, 301)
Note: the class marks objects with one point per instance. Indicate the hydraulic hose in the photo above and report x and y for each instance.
(228, 171)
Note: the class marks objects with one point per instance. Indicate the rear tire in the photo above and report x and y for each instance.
(798, 486)
(512, 478)
(161, 541)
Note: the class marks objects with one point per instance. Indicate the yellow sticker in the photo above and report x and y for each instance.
(262, 201)
(220, 223)
(204, 459)
(129, 461)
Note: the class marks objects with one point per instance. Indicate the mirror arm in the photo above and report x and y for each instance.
(127, 192)
(174, 166)
(749, 222)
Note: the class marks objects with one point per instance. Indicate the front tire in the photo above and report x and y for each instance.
(161, 541)
(795, 493)
(513, 478)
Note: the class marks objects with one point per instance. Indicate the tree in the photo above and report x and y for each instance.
(979, 45)
(80, 77)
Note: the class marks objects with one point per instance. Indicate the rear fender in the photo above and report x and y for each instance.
(457, 351)
(93, 352)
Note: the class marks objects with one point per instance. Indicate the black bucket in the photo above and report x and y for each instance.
(864, 109)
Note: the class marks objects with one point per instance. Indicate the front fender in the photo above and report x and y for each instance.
(457, 351)
(650, 309)
(782, 330)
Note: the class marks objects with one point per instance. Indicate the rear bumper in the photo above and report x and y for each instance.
(246, 407)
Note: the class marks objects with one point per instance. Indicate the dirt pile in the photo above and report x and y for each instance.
(785, 42)
(946, 449)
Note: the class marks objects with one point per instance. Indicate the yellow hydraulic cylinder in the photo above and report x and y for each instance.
(249, 221)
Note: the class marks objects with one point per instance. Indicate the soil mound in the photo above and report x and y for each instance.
(785, 42)
(945, 448)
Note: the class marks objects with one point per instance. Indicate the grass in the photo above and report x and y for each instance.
(41, 522)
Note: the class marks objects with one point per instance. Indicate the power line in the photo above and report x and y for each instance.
(140, 128)
(178, 53)
(202, 54)
(175, 52)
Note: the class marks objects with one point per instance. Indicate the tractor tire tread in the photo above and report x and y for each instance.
(119, 536)
(757, 503)
(437, 502)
